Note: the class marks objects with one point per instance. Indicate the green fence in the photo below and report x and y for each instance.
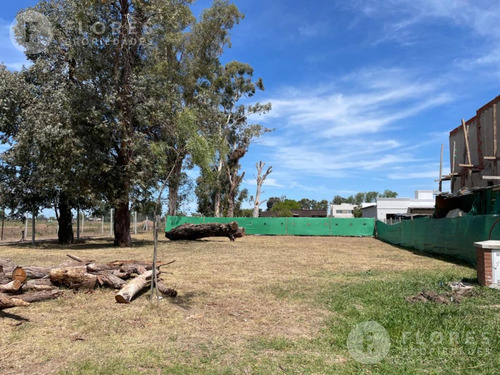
(288, 226)
(454, 237)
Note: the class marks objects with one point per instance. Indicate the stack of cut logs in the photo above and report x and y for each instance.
(20, 286)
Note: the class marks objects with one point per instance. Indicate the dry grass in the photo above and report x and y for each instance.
(231, 297)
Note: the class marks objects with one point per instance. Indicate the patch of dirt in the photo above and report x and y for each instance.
(443, 299)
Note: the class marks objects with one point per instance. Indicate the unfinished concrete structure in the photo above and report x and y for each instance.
(474, 150)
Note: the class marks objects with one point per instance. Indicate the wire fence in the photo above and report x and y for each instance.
(20, 230)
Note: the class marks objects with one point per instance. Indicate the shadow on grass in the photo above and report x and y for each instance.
(89, 243)
(443, 257)
(184, 301)
(6, 315)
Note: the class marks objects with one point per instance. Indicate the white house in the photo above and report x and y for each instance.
(390, 208)
(344, 210)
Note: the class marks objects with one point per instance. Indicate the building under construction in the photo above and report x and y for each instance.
(474, 150)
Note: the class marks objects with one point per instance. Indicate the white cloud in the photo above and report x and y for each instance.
(314, 30)
(403, 20)
(359, 103)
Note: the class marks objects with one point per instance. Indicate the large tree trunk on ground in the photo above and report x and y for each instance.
(197, 231)
(133, 287)
(122, 225)
(65, 233)
(73, 277)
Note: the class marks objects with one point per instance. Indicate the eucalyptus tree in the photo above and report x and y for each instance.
(230, 132)
(45, 165)
(188, 65)
(110, 50)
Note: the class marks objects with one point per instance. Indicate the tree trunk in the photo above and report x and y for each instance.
(65, 233)
(217, 203)
(38, 285)
(40, 296)
(260, 181)
(7, 301)
(73, 277)
(196, 231)
(133, 287)
(107, 278)
(173, 185)
(11, 287)
(122, 225)
(37, 272)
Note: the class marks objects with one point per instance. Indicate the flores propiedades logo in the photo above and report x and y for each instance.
(368, 343)
(31, 32)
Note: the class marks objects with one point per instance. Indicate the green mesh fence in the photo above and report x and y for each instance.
(454, 237)
(288, 226)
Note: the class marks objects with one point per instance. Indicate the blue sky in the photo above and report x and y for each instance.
(364, 92)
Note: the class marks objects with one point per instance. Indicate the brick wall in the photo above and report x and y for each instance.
(484, 264)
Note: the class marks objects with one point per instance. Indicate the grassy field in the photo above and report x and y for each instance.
(262, 305)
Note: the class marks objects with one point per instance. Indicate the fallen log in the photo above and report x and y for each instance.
(193, 232)
(133, 287)
(129, 269)
(239, 234)
(8, 302)
(78, 259)
(73, 277)
(11, 287)
(40, 296)
(126, 265)
(37, 272)
(38, 285)
(107, 278)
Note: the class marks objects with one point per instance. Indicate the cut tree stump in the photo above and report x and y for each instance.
(193, 232)
(73, 277)
(133, 287)
(19, 274)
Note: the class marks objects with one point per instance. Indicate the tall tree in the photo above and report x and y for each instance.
(230, 132)
(113, 50)
(43, 167)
